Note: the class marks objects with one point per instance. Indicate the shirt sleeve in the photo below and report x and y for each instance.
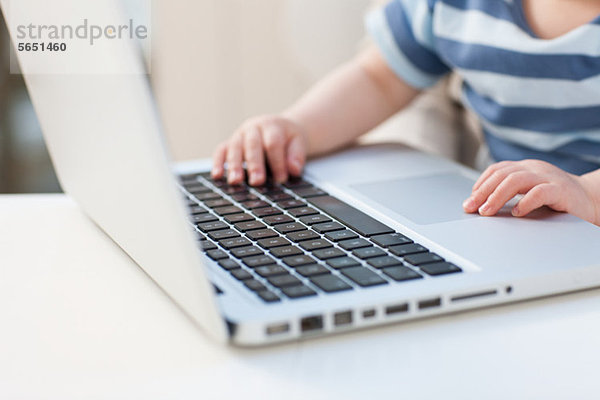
(403, 31)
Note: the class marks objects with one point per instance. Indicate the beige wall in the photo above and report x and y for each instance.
(217, 62)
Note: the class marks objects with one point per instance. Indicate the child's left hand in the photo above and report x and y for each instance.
(542, 183)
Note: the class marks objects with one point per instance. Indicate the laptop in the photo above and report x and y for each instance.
(369, 236)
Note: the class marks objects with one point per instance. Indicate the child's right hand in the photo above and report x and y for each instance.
(277, 140)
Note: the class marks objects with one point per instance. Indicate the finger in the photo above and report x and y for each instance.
(235, 172)
(219, 161)
(488, 172)
(253, 154)
(296, 156)
(487, 187)
(513, 184)
(539, 196)
(274, 142)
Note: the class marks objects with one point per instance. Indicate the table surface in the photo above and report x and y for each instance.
(80, 320)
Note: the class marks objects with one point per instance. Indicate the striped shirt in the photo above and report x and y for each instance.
(535, 98)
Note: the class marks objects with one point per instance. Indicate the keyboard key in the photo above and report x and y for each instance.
(315, 219)
(261, 234)
(197, 210)
(286, 251)
(296, 261)
(227, 210)
(241, 274)
(278, 196)
(278, 219)
(383, 262)
(220, 183)
(258, 261)
(206, 245)
(244, 252)
(316, 244)
(302, 235)
(229, 264)
(340, 235)
(368, 252)
(330, 283)
(217, 254)
(246, 196)
(223, 234)
(312, 270)
(199, 219)
(273, 242)
(350, 216)
(326, 254)
(295, 292)
(271, 270)
(309, 192)
(268, 296)
(255, 285)
(235, 218)
(292, 203)
(207, 196)
(342, 262)
(252, 204)
(233, 189)
(290, 227)
(401, 273)
(212, 226)
(423, 258)
(196, 187)
(217, 203)
(354, 244)
(406, 249)
(282, 281)
(328, 227)
(302, 211)
(440, 268)
(363, 276)
(235, 242)
(267, 188)
(266, 211)
(249, 226)
(392, 239)
(294, 183)
(189, 179)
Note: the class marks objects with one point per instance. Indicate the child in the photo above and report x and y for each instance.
(531, 73)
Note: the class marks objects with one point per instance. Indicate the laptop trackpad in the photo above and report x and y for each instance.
(423, 200)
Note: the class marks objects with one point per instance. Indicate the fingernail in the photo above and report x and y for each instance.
(234, 176)
(297, 165)
(484, 208)
(468, 203)
(516, 212)
(256, 178)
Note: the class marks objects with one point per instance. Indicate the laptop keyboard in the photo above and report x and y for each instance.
(294, 240)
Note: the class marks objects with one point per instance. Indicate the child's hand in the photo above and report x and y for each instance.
(542, 184)
(281, 141)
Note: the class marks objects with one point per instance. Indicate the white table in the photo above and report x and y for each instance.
(79, 320)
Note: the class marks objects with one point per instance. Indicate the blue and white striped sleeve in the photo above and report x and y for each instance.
(403, 31)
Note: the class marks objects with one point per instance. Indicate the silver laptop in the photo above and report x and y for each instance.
(370, 236)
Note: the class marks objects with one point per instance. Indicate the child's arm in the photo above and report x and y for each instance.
(542, 184)
(349, 102)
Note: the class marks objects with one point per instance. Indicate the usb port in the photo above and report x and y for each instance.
(309, 324)
(397, 309)
(430, 303)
